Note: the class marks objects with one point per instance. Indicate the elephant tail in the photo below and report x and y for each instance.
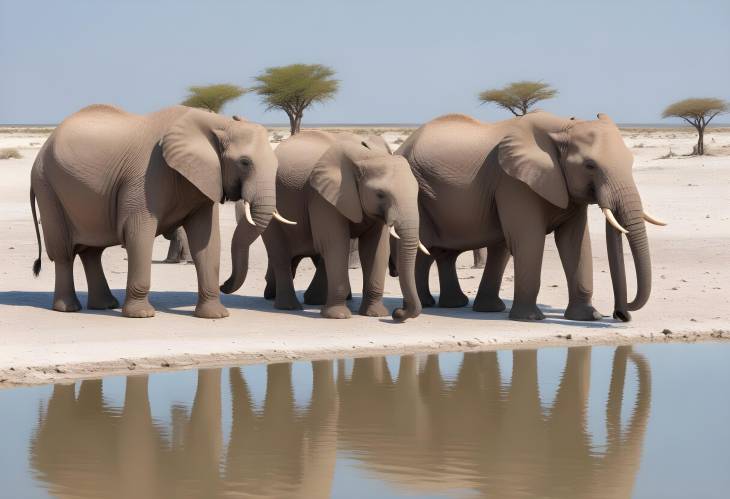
(37, 263)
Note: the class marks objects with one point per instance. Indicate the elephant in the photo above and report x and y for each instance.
(514, 182)
(108, 177)
(340, 187)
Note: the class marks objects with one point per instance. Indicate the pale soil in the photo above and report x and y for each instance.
(691, 295)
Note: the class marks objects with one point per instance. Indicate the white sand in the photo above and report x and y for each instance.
(691, 262)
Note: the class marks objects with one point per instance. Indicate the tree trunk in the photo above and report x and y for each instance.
(701, 141)
(293, 128)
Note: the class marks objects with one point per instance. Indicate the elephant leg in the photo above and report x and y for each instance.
(205, 245)
(316, 293)
(100, 296)
(64, 293)
(331, 234)
(480, 258)
(423, 267)
(270, 289)
(174, 249)
(451, 295)
(139, 235)
(354, 258)
(283, 266)
(185, 255)
(487, 299)
(574, 247)
(374, 251)
(527, 250)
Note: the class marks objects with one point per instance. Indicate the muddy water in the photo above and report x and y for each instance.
(649, 421)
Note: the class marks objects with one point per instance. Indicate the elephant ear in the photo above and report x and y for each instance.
(377, 143)
(191, 147)
(531, 156)
(335, 177)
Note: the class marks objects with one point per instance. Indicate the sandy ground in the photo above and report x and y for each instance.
(691, 295)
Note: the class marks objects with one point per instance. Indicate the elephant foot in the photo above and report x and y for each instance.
(488, 304)
(290, 303)
(453, 300)
(212, 309)
(102, 302)
(270, 291)
(66, 303)
(336, 312)
(376, 309)
(427, 301)
(138, 308)
(314, 298)
(525, 313)
(171, 260)
(582, 312)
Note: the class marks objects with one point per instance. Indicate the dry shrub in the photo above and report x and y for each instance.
(10, 153)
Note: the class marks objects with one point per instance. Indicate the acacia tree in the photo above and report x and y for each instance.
(519, 96)
(212, 97)
(698, 113)
(294, 88)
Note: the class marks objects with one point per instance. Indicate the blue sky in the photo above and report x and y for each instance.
(399, 61)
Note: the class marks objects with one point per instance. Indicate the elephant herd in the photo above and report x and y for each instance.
(107, 177)
(412, 428)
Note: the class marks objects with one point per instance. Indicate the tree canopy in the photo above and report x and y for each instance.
(519, 96)
(212, 97)
(295, 87)
(698, 112)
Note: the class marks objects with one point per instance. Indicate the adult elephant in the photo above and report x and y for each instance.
(108, 177)
(338, 187)
(505, 186)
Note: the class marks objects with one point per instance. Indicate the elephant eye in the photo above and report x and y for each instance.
(380, 194)
(245, 162)
(590, 164)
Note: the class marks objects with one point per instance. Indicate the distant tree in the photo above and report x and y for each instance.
(295, 87)
(519, 96)
(212, 97)
(698, 113)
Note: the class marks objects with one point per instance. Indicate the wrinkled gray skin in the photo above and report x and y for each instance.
(107, 177)
(514, 182)
(338, 187)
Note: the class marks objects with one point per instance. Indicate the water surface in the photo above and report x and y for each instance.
(648, 421)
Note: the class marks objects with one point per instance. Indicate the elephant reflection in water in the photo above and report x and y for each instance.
(85, 448)
(417, 431)
(428, 435)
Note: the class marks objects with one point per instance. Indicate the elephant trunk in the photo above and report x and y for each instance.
(407, 229)
(262, 208)
(627, 204)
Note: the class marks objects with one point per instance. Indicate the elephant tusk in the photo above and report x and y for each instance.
(423, 248)
(393, 232)
(247, 212)
(653, 220)
(282, 219)
(612, 220)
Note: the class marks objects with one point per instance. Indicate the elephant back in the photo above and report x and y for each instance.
(297, 156)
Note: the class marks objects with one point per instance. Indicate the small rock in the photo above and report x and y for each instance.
(11, 247)
(666, 332)
(60, 370)
(675, 288)
(165, 363)
(568, 336)
(707, 216)
(693, 320)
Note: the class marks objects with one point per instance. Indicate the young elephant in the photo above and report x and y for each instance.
(107, 177)
(338, 187)
(505, 186)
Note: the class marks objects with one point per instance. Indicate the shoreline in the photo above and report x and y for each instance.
(26, 376)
